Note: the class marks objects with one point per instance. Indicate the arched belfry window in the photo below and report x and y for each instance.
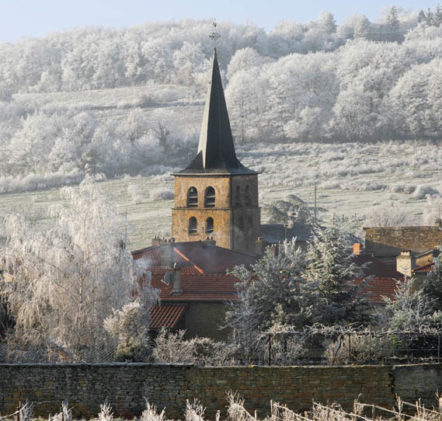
(192, 197)
(247, 196)
(209, 197)
(192, 225)
(209, 225)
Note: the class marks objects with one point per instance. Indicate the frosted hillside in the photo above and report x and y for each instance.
(353, 180)
(354, 108)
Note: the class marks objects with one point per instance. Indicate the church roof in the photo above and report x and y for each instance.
(216, 151)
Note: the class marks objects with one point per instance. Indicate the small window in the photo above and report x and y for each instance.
(247, 196)
(209, 225)
(238, 196)
(250, 222)
(241, 223)
(192, 225)
(209, 197)
(192, 197)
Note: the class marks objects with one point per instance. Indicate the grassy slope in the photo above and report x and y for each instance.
(352, 179)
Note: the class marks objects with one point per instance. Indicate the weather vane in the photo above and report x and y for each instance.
(214, 36)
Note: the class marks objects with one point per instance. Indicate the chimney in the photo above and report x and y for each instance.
(357, 249)
(208, 242)
(176, 287)
(166, 255)
(405, 263)
(259, 247)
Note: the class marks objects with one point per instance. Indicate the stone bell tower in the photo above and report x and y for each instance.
(215, 195)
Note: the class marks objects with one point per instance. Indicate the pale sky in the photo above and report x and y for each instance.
(24, 18)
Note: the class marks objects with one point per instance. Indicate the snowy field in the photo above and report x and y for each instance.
(352, 179)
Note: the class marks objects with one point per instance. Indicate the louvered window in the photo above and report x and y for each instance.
(209, 197)
(192, 197)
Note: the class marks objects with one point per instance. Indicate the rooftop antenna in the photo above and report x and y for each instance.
(214, 36)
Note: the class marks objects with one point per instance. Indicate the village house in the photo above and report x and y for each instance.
(194, 285)
(411, 250)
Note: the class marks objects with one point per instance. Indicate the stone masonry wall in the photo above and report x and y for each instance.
(390, 241)
(125, 386)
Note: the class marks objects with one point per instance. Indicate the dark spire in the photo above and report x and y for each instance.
(215, 149)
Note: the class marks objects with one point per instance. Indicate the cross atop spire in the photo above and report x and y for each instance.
(216, 151)
(214, 36)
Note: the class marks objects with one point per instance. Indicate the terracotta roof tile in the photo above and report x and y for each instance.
(196, 257)
(373, 266)
(377, 288)
(166, 315)
(215, 287)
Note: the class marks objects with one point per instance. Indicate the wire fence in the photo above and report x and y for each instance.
(330, 346)
(318, 345)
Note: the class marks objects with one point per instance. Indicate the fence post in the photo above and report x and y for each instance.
(438, 347)
(349, 346)
(270, 349)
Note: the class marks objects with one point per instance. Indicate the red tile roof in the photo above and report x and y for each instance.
(372, 266)
(166, 315)
(197, 257)
(378, 288)
(210, 287)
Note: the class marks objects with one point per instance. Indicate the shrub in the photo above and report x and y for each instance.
(161, 193)
(359, 348)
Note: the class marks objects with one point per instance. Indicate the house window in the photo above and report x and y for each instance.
(238, 196)
(247, 196)
(209, 197)
(209, 225)
(192, 225)
(192, 197)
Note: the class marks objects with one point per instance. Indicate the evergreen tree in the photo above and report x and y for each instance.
(331, 272)
(393, 25)
(409, 309)
(432, 286)
(270, 292)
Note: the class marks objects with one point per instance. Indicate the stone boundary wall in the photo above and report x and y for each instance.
(125, 386)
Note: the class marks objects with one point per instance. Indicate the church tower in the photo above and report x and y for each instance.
(215, 195)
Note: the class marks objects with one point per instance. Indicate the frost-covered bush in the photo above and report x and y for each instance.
(388, 215)
(129, 327)
(135, 193)
(432, 210)
(161, 193)
(363, 348)
(423, 191)
(173, 348)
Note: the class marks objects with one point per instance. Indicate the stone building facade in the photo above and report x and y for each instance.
(389, 242)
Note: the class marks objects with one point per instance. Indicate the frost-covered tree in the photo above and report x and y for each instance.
(408, 309)
(331, 272)
(292, 209)
(270, 292)
(388, 215)
(67, 279)
(392, 25)
(432, 285)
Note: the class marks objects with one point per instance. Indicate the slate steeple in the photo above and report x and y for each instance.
(216, 151)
